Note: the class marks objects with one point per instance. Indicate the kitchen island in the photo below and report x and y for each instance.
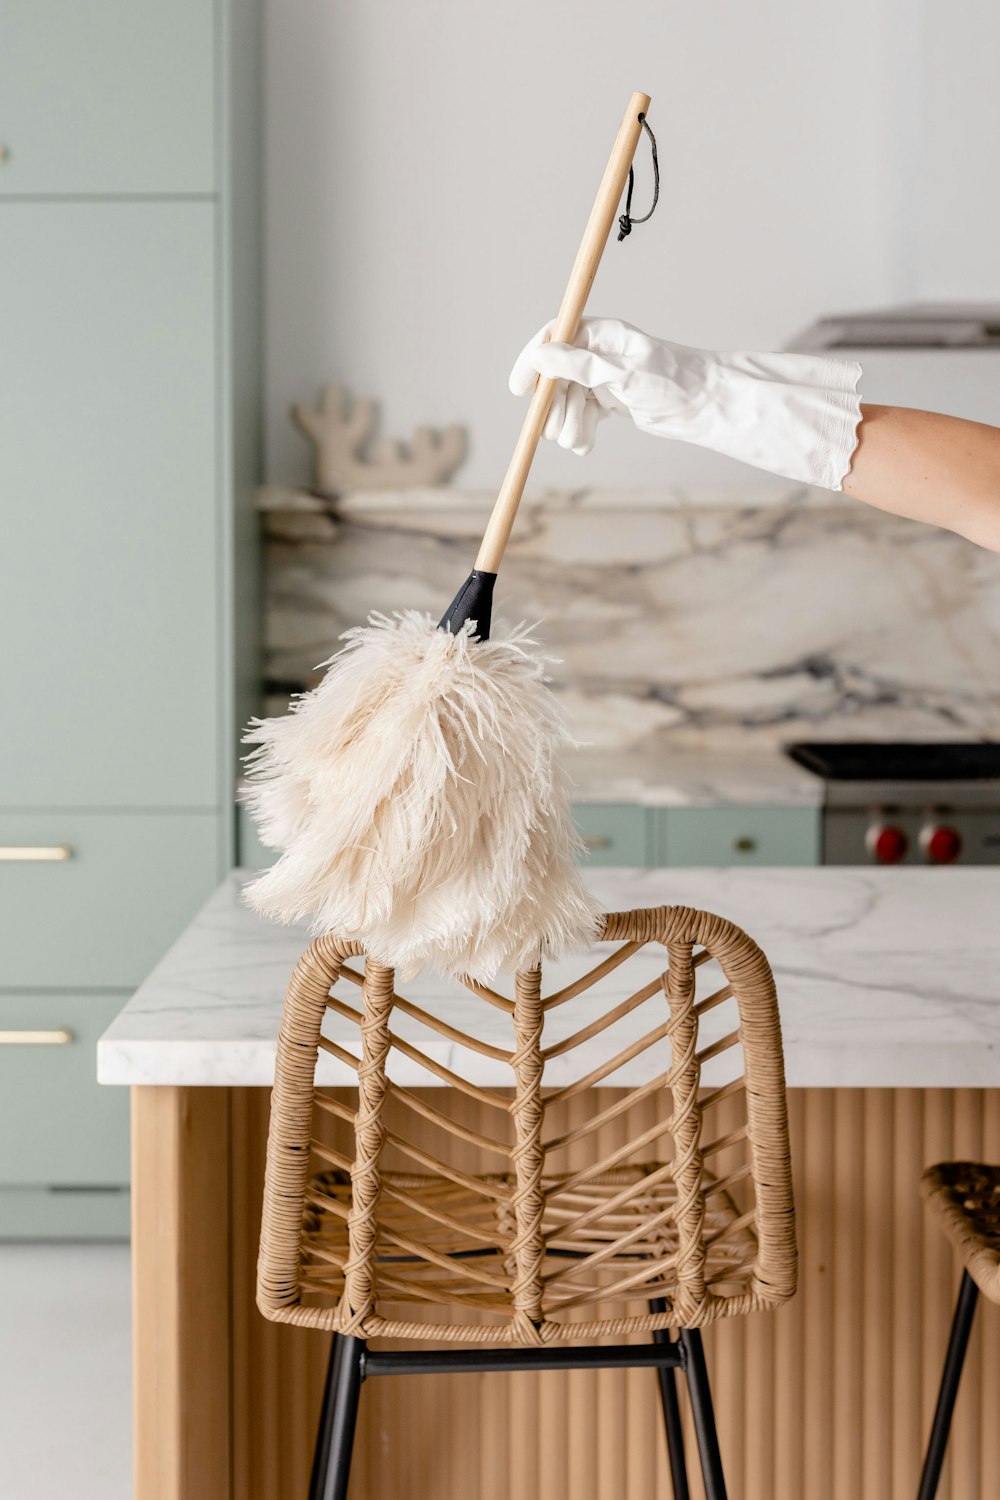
(891, 1017)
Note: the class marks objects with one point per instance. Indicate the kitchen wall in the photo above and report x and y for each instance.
(729, 627)
(428, 167)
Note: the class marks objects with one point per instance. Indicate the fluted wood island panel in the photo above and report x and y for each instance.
(828, 1398)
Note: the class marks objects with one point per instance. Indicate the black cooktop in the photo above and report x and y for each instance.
(899, 762)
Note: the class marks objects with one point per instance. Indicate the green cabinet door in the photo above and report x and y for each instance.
(61, 1128)
(734, 836)
(109, 568)
(107, 96)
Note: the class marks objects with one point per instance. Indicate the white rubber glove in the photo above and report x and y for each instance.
(792, 414)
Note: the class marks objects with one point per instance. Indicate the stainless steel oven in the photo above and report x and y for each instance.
(910, 804)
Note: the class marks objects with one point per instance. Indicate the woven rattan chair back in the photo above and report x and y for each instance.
(554, 1239)
(966, 1197)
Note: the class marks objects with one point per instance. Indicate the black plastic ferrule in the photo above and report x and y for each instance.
(474, 601)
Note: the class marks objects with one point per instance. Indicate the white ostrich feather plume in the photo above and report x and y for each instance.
(420, 803)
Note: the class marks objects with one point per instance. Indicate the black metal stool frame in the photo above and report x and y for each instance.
(958, 1343)
(352, 1363)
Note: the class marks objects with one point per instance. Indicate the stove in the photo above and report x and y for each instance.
(914, 804)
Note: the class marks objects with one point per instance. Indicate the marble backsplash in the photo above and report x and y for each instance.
(680, 625)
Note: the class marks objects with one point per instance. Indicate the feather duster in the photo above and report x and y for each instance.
(419, 801)
(416, 794)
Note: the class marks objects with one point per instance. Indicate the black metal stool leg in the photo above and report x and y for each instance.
(968, 1296)
(671, 1413)
(703, 1413)
(338, 1416)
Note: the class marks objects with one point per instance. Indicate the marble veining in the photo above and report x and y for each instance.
(886, 978)
(678, 625)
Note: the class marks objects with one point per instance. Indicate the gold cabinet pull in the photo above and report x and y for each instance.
(597, 841)
(35, 853)
(745, 844)
(58, 1037)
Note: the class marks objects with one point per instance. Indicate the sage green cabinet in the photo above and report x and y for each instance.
(129, 457)
(106, 911)
(732, 837)
(108, 97)
(47, 1045)
(109, 570)
(614, 833)
(61, 1211)
(722, 837)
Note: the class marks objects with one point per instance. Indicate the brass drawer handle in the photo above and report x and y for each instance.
(597, 841)
(56, 1038)
(35, 853)
(744, 844)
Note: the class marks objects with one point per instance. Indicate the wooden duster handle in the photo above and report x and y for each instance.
(581, 279)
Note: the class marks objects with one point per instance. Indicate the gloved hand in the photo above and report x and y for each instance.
(792, 414)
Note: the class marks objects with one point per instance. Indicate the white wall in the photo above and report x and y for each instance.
(429, 164)
(957, 208)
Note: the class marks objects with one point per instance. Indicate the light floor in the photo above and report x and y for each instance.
(65, 1372)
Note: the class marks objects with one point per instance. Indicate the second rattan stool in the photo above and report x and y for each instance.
(966, 1194)
(366, 1230)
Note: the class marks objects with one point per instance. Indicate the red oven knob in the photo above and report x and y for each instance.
(887, 843)
(942, 844)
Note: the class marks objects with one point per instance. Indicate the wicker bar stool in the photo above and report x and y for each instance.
(369, 1234)
(966, 1195)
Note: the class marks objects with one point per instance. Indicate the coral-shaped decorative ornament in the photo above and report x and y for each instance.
(340, 431)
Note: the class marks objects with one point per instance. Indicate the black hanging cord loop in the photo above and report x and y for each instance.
(625, 220)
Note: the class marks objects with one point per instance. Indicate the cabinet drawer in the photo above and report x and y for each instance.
(57, 1124)
(86, 1212)
(108, 98)
(615, 833)
(734, 836)
(103, 914)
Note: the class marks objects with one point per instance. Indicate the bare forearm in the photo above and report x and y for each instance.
(930, 467)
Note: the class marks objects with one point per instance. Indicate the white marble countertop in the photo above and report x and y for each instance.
(683, 779)
(886, 977)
